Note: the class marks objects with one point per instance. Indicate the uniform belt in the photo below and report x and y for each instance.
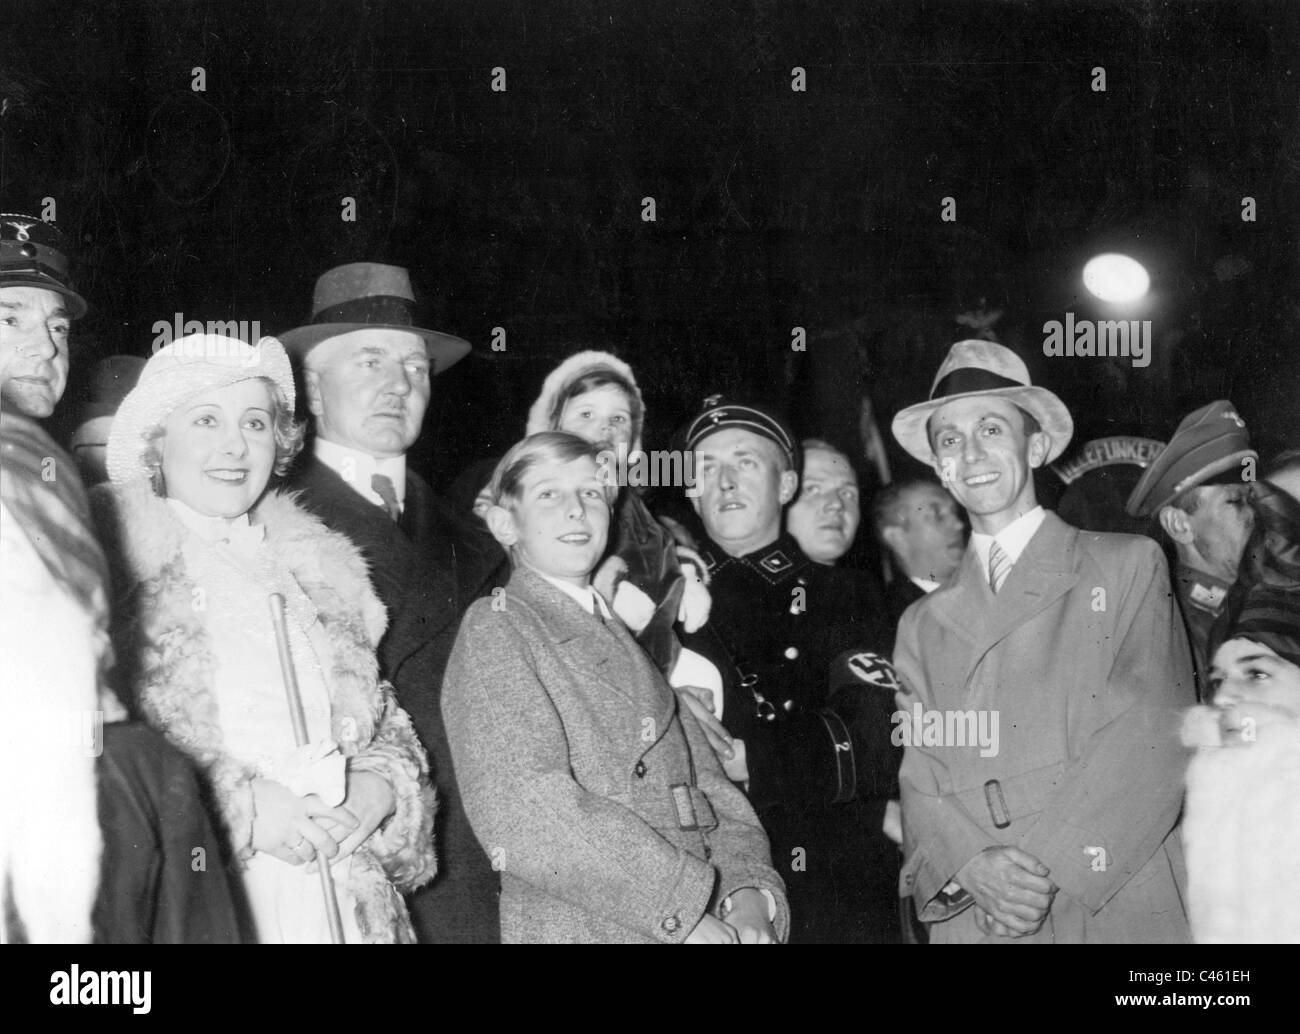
(1000, 802)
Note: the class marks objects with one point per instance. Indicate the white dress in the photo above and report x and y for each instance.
(234, 574)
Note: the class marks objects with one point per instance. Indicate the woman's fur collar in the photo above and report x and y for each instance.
(166, 665)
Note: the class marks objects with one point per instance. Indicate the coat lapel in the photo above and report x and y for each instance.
(593, 649)
(962, 605)
(1044, 573)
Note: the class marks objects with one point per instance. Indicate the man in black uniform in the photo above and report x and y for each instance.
(808, 689)
(1198, 489)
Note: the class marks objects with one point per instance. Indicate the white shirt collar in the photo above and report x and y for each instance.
(1013, 538)
(356, 468)
(588, 599)
(925, 585)
(241, 533)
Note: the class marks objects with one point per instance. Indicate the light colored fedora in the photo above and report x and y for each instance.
(178, 371)
(978, 367)
(369, 296)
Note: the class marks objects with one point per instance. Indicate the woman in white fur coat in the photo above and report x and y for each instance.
(1241, 826)
(200, 545)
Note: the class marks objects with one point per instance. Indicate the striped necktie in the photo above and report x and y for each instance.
(382, 485)
(999, 566)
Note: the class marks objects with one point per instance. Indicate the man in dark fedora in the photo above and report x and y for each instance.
(37, 306)
(367, 372)
(1060, 828)
(1198, 490)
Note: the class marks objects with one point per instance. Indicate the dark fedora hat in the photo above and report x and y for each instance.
(369, 296)
(33, 253)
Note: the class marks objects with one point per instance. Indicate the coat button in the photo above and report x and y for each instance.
(788, 705)
(640, 770)
(671, 924)
(791, 653)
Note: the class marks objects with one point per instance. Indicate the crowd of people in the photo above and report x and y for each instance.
(266, 685)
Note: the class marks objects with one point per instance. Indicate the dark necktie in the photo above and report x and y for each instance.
(382, 486)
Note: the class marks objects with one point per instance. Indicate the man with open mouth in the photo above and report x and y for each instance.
(1067, 833)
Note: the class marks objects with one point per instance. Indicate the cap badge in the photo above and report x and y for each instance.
(21, 230)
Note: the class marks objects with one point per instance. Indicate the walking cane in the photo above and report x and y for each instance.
(300, 734)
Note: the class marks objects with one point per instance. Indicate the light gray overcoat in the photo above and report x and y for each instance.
(567, 744)
(1083, 657)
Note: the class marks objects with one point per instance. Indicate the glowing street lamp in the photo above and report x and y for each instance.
(1116, 278)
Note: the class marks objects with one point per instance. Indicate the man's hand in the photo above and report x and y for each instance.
(1010, 886)
(749, 917)
(989, 925)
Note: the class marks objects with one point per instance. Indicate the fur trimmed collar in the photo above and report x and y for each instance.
(166, 665)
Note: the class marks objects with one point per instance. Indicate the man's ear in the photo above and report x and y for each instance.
(894, 537)
(789, 486)
(501, 522)
(1176, 524)
(311, 382)
(1040, 444)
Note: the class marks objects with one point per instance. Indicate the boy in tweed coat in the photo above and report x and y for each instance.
(601, 804)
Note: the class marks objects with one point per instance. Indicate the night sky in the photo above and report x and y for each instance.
(774, 207)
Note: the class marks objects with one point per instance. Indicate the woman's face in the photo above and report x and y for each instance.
(219, 448)
(560, 523)
(602, 415)
(1249, 678)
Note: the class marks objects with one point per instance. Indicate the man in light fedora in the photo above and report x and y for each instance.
(1061, 827)
(367, 371)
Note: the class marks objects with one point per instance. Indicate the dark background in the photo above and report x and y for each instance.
(775, 209)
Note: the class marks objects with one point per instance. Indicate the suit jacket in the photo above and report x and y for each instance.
(1083, 659)
(426, 570)
(581, 777)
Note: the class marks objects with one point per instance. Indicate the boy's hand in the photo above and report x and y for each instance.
(711, 930)
(749, 917)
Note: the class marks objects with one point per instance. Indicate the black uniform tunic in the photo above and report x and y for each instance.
(817, 639)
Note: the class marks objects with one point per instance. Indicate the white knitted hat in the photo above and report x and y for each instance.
(579, 365)
(178, 371)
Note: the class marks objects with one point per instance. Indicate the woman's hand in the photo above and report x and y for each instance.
(369, 802)
(711, 930)
(294, 829)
